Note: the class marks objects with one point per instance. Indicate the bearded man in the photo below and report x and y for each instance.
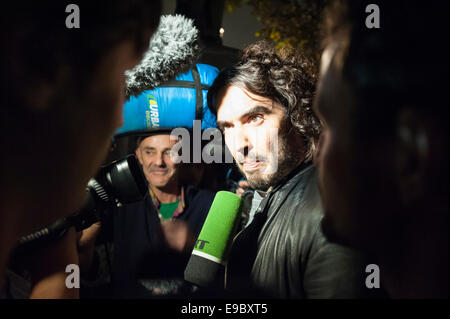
(263, 107)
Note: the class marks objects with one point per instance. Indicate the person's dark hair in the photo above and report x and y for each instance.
(136, 140)
(284, 76)
(37, 44)
(404, 63)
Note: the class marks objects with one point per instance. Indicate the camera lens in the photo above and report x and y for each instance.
(126, 180)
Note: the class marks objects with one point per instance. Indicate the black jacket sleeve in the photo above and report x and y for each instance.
(333, 271)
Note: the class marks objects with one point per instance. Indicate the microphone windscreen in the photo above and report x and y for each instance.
(206, 265)
(173, 50)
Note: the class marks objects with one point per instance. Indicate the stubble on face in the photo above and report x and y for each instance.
(160, 170)
(281, 160)
(265, 145)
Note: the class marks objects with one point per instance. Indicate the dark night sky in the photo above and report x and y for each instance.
(240, 25)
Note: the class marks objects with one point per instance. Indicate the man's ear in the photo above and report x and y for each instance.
(412, 155)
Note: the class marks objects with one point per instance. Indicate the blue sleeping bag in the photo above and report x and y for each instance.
(176, 103)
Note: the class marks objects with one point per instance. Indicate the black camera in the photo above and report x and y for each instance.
(120, 182)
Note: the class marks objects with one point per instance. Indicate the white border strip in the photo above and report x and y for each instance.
(208, 256)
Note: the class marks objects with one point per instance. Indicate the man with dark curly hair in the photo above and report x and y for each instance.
(263, 107)
(62, 93)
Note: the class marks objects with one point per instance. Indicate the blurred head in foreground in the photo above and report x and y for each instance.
(62, 96)
(383, 153)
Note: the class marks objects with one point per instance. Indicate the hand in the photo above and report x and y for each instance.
(87, 236)
(86, 244)
(178, 235)
(242, 187)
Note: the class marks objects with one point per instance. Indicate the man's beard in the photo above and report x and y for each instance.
(289, 156)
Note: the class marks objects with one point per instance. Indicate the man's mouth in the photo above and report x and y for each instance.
(251, 165)
(159, 172)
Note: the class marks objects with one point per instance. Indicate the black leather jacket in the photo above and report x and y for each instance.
(292, 258)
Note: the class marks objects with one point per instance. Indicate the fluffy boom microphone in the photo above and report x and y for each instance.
(173, 50)
(206, 266)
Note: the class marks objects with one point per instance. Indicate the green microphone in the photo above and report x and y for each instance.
(206, 266)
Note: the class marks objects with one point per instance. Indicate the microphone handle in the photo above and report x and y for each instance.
(47, 234)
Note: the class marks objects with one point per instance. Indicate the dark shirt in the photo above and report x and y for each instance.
(140, 251)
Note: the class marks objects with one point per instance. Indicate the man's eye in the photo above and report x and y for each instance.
(225, 127)
(149, 152)
(255, 119)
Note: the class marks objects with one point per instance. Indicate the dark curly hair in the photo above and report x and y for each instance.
(286, 77)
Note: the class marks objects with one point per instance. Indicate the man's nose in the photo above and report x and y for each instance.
(242, 141)
(159, 160)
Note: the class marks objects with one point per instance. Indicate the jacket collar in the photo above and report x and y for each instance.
(276, 197)
(292, 178)
(180, 198)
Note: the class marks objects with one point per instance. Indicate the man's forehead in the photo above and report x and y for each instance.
(159, 140)
(334, 97)
(234, 101)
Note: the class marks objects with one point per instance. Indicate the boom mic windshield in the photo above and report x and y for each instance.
(173, 50)
(206, 266)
